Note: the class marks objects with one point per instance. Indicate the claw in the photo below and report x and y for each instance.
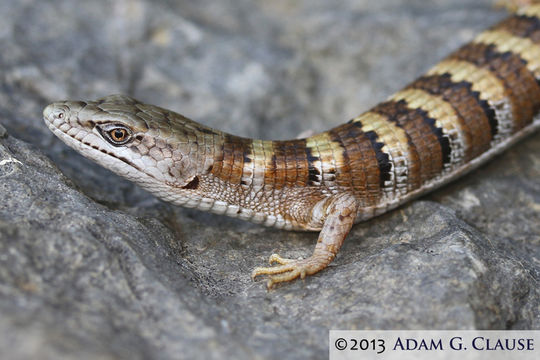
(289, 269)
(271, 270)
(275, 258)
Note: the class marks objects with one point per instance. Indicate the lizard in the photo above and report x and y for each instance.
(472, 105)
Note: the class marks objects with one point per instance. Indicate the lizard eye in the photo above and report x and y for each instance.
(117, 134)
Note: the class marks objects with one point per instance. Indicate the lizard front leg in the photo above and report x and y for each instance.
(336, 214)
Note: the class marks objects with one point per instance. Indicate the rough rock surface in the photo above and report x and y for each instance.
(93, 267)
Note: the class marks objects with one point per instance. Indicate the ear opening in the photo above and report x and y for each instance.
(193, 184)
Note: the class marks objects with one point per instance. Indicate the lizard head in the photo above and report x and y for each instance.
(151, 146)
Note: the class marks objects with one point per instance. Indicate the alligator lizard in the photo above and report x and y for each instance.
(469, 107)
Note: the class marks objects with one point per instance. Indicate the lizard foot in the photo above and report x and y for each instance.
(337, 214)
(287, 270)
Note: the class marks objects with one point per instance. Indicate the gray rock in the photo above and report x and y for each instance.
(93, 267)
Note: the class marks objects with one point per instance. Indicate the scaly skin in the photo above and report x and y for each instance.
(472, 105)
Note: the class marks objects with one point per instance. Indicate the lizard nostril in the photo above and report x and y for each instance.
(54, 112)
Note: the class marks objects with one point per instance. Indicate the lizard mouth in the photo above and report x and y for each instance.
(80, 139)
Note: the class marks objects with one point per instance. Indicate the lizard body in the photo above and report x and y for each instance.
(469, 107)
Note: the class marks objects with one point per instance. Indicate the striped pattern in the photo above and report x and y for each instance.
(489, 88)
(446, 118)
(465, 105)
